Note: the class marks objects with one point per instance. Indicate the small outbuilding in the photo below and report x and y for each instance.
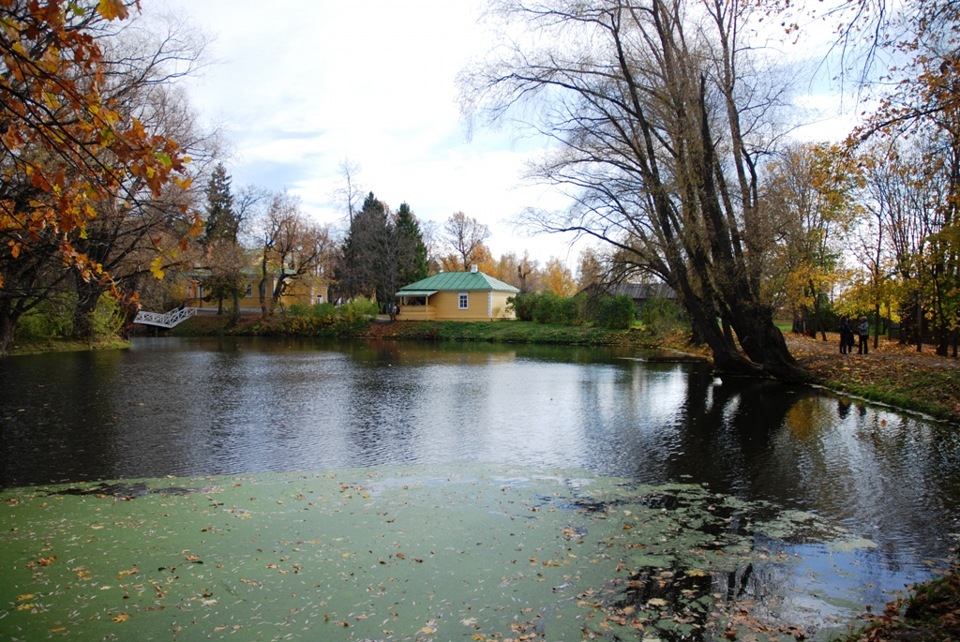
(456, 296)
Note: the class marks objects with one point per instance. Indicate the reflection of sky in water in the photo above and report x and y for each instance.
(819, 582)
(171, 407)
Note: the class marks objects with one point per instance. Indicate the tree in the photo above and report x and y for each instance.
(466, 236)
(593, 268)
(67, 149)
(520, 272)
(378, 253)
(558, 278)
(221, 221)
(905, 55)
(349, 191)
(408, 227)
(659, 129)
(143, 234)
(809, 194)
(224, 255)
(293, 248)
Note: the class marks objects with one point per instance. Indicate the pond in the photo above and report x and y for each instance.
(190, 408)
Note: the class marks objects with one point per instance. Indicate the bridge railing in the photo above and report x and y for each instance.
(165, 319)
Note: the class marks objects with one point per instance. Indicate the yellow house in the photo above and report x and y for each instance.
(304, 289)
(456, 296)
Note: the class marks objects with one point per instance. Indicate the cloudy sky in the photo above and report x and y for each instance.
(304, 85)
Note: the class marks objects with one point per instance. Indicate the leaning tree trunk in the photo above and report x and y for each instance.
(727, 359)
(764, 344)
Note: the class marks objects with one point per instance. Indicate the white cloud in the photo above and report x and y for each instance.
(305, 85)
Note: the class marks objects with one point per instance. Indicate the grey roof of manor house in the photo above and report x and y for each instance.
(455, 281)
(640, 291)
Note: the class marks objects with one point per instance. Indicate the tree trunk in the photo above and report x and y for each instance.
(8, 321)
(88, 295)
(764, 344)
(235, 319)
(262, 290)
(726, 358)
(278, 291)
(876, 328)
(129, 307)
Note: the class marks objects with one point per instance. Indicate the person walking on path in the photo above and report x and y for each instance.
(863, 331)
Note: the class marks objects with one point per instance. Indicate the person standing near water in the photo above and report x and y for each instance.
(846, 335)
(863, 331)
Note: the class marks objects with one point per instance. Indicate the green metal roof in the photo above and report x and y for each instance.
(458, 281)
(416, 292)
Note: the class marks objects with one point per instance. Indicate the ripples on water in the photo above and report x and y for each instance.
(198, 407)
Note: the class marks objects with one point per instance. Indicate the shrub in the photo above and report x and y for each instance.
(107, 318)
(323, 311)
(49, 320)
(616, 312)
(523, 305)
(358, 309)
(299, 309)
(661, 316)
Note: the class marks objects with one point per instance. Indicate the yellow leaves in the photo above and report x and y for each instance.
(124, 573)
(112, 9)
(156, 267)
(122, 617)
(51, 100)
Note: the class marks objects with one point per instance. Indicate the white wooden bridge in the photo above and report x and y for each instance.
(165, 319)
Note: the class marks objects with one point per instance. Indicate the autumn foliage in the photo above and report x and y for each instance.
(64, 149)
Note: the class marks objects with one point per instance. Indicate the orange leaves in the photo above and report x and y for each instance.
(73, 148)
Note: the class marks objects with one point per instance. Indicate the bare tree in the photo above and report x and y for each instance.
(466, 236)
(659, 129)
(293, 248)
(349, 191)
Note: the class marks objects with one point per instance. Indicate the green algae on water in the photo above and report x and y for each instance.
(406, 553)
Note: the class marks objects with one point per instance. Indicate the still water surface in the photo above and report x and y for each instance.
(223, 406)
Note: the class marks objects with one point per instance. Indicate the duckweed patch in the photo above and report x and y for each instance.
(413, 553)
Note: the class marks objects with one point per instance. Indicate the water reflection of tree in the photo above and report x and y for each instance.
(729, 431)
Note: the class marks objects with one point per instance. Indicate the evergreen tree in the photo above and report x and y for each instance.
(409, 227)
(223, 254)
(222, 222)
(377, 252)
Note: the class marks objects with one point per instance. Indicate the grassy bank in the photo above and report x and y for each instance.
(481, 331)
(66, 345)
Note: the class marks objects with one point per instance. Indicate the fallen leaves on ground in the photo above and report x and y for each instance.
(894, 373)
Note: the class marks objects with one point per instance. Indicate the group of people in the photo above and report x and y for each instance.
(847, 332)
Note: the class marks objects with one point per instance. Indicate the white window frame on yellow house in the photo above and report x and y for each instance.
(463, 301)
